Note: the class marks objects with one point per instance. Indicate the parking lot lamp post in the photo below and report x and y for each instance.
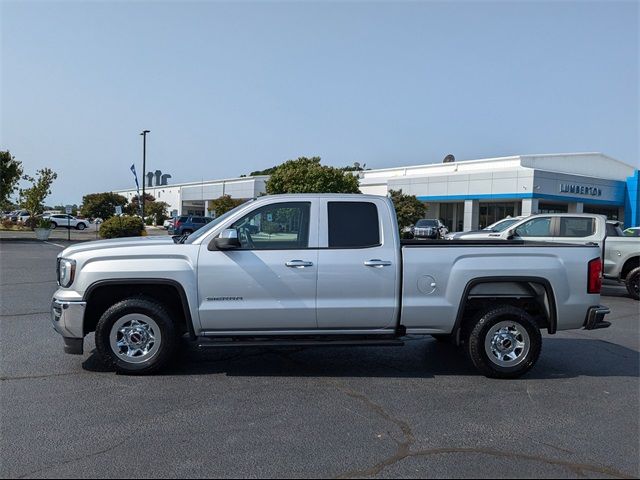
(144, 167)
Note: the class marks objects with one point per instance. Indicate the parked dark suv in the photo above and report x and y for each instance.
(187, 224)
(429, 228)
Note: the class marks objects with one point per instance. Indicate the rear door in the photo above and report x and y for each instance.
(358, 266)
(578, 230)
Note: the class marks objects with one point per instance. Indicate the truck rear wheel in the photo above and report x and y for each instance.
(633, 283)
(505, 343)
(136, 336)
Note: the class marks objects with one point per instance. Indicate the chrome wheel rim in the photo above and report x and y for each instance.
(507, 344)
(135, 338)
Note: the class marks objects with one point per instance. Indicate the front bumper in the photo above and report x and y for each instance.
(67, 319)
(595, 318)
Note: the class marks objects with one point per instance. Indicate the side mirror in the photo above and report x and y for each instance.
(228, 240)
(511, 234)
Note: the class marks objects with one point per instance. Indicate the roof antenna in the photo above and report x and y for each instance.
(449, 159)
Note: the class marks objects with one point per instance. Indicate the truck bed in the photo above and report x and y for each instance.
(485, 243)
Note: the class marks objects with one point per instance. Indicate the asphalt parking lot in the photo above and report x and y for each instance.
(417, 411)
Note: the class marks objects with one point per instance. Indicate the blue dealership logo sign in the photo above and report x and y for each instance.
(580, 189)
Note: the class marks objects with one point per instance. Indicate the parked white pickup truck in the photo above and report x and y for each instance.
(621, 254)
(322, 270)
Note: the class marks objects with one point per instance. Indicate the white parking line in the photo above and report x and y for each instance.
(56, 244)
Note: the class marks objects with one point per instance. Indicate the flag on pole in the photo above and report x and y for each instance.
(135, 175)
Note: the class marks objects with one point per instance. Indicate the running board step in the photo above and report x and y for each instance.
(214, 343)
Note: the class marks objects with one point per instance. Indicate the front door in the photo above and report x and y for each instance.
(270, 282)
(539, 228)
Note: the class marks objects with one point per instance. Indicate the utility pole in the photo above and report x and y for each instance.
(144, 167)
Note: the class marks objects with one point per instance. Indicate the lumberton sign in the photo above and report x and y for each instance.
(580, 189)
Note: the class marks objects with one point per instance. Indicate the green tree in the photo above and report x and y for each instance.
(307, 175)
(134, 207)
(101, 205)
(408, 208)
(157, 210)
(10, 174)
(223, 204)
(356, 167)
(266, 171)
(32, 198)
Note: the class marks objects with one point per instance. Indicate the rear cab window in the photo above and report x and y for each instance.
(353, 225)
(576, 227)
(614, 230)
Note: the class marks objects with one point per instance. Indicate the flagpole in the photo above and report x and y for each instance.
(144, 166)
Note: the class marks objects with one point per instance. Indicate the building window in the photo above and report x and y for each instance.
(611, 213)
(553, 208)
(452, 215)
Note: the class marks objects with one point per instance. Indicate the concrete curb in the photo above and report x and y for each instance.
(35, 240)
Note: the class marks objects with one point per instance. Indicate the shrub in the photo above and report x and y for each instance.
(125, 226)
(43, 223)
(7, 224)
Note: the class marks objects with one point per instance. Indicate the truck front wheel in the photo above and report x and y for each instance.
(505, 343)
(633, 283)
(136, 336)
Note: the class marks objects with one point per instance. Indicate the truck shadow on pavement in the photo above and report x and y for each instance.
(420, 358)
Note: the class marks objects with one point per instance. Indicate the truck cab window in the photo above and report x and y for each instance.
(353, 225)
(537, 227)
(280, 226)
(576, 227)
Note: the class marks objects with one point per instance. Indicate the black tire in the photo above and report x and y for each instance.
(632, 283)
(491, 366)
(148, 308)
(54, 225)
(80, 226)
(443, 337)
(187, 232)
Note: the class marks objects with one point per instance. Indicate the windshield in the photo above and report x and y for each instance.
(426, 223)
(502, 225)
(211, 225)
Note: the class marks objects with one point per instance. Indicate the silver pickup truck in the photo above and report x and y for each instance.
(322, 270)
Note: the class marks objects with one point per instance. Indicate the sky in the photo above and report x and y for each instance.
(228, 88)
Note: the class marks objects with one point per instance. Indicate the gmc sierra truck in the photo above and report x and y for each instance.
(322, 270)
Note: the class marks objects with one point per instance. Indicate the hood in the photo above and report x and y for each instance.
(115, 243)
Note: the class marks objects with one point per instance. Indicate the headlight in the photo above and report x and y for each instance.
(66, 272)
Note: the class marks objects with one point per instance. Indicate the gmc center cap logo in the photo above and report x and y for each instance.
(580, 189)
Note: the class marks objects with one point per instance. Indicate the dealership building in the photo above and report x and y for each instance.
(467, 194)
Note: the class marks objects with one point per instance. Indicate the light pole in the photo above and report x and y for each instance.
(144, 167)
